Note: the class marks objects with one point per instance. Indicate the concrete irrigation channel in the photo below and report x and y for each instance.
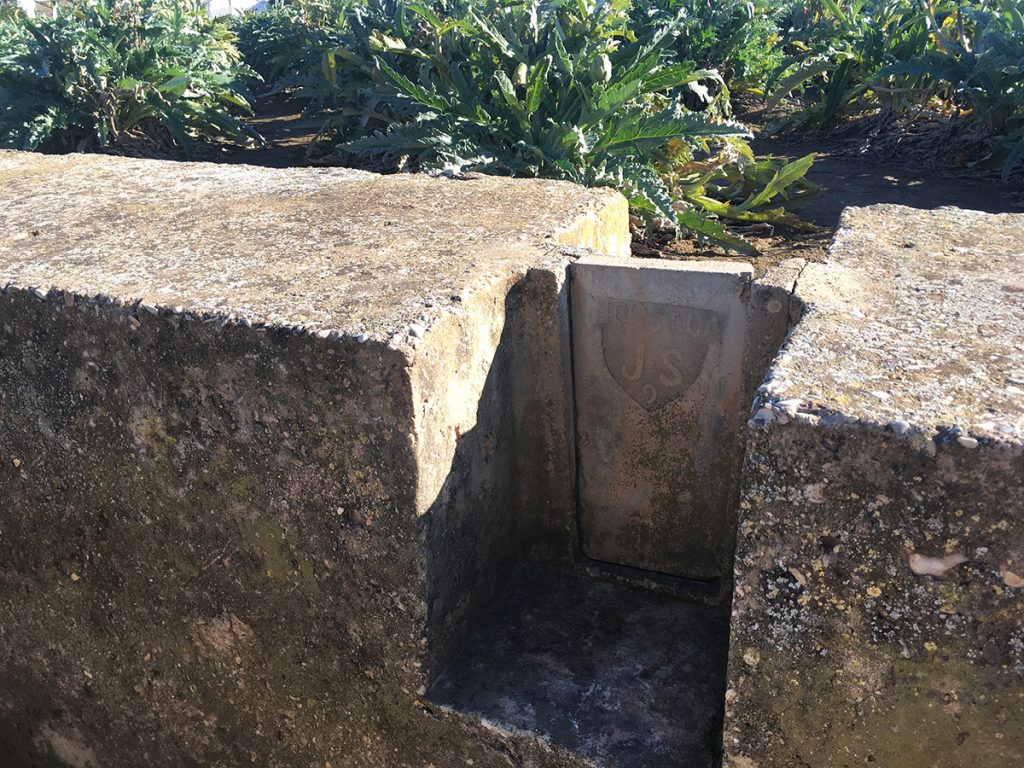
(315, 467)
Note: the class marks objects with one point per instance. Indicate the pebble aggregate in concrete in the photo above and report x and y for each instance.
(925, 338)
(878, 584)
(310, 250)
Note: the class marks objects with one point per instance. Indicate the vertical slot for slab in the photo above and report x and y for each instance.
(658, 351)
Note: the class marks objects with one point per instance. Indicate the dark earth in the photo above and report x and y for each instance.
(622, 676)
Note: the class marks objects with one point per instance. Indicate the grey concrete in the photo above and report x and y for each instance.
(266, 460)
(658, 356)
(325, 250)
(879, 575)
(269, 469)
(616, 675)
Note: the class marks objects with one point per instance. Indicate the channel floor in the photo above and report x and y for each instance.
(621, 676)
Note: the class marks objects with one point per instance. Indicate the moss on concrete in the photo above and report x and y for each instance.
(878, 599)
(218, 501)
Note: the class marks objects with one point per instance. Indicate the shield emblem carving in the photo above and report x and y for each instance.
(656, 352)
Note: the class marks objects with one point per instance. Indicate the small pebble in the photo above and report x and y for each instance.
(417, 331)
(900, 427)
(1011, 579)
(967, 442)
(752, 657)
(923, 565)
(790, 406)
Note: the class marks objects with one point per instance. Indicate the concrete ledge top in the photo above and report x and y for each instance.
(915, 323)
(324, 249)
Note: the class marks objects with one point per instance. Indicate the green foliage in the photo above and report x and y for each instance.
(285, 44)
(14, 40)
(9, 10)
(107, 72)
(600, 92)
(736, 185)
(556, 89)
(843, 51)
(739, 38)
(978, 62)
(961, 56)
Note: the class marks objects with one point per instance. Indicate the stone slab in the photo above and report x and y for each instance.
(322, 249)
(658, 357)
(270, 443)
(917, 317)
(879, 576)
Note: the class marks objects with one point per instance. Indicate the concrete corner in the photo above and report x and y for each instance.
(878, 589)
(258, 454)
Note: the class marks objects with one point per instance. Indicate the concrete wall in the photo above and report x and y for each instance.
(878, 580)
(228, 7)
(197, 531)
(237, 535)
(495, 380)
(37, 7)
(264, 472)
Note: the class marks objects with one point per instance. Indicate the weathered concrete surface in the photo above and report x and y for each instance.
(321, 249)
(622, 676)
(879, 582)
(658, 354)
(256, 454)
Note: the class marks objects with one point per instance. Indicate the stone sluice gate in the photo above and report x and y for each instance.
(360, 471)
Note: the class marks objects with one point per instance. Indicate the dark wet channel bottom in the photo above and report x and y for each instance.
(621, 676)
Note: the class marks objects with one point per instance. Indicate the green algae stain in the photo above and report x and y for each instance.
(897, 713)
(280, 560)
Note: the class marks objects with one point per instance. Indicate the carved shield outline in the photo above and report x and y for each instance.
(656, 352)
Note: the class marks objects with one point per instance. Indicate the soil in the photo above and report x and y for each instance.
(846, 178)
(289, 134)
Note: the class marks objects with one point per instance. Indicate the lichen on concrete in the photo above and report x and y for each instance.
(238, 407)
(916, 319)
(329, 250)
(878, 590)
